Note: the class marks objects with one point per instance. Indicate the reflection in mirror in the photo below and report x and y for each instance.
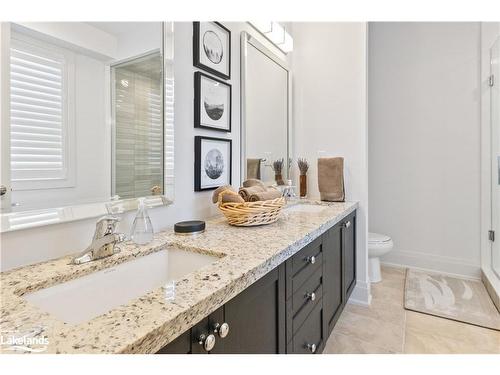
(138, 126)
(91, 117)
(265, 118)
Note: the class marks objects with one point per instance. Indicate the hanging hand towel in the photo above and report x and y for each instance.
(331, 179)
(253, 168)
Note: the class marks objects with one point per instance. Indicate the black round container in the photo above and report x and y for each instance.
(189, 227)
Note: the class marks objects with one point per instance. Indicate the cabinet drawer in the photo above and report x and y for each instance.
(304, 296)
(310, 333)
(305, 309)
(305, 263)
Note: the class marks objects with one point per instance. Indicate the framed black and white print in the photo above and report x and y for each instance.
(212, 163)
(212, 103)
(212, 48)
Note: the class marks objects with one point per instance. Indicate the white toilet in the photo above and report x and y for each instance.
(378, 245)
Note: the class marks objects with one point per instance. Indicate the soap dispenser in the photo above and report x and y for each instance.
(142, 229)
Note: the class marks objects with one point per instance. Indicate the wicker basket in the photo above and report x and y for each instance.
(250, 214)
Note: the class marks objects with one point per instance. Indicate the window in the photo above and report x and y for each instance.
(41, 114)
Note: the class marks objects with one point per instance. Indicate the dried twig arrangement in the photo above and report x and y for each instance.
(278, 165)
(303, 166)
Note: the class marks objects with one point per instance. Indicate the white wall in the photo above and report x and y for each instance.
(424, 143)
(75, 34)
(329, 67)
(38, 244)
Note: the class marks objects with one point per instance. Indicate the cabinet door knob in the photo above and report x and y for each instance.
(311, 347)
(3, 190)
(347, 224)
(208, 341)
(311, 259)
(311, 296)
(221, 329)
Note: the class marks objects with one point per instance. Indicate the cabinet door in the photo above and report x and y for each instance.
(333, 298)
(181, 345)
(310, 337)
(256, 317)
(349, 249)
(198, 332)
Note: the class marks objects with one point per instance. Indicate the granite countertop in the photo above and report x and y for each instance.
(147, 323)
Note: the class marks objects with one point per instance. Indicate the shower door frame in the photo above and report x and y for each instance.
(490, 33)
(494, 96)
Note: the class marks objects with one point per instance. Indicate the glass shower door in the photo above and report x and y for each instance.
(495, 154)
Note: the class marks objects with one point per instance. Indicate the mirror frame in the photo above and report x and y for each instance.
(247, 39)
(11, 221)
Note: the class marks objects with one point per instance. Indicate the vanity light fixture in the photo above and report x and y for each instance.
(275, 33)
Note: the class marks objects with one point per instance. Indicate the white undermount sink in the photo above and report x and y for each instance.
(86, 297)
(311, 208)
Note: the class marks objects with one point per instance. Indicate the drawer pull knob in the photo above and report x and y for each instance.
(311, 296)
(221, 329)
(208, 341)
(311, 347)
(347, 224)
(311, 259)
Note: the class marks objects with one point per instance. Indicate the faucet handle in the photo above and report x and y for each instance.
(106, 225)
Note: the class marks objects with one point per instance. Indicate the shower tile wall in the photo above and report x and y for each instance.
(139, 132)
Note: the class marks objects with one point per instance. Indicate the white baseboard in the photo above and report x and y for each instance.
(361, 294)
(430, 262)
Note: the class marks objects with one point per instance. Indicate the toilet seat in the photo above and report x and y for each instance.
(376, 238)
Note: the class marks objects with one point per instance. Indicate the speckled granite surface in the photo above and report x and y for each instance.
(146, 324)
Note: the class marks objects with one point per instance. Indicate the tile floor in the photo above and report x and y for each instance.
(386, 327)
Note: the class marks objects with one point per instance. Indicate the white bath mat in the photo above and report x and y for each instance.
(452, 298)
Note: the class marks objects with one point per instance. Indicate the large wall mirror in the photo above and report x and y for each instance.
(89, 127)
(266, 112)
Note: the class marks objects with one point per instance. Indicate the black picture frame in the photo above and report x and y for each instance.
(198, 140)
(198, 102)
(196, 51)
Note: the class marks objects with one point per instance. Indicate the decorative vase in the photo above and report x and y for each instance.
(303, 185)
(279, 179)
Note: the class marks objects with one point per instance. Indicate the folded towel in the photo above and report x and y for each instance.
(331, 179)
(253, 168)
(267, 195)
(220, 189)
(246, 192)
(253, 182)
(229, 196)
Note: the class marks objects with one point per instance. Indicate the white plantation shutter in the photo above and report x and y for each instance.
(40, 114)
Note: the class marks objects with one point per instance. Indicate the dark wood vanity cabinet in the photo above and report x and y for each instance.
(339, 268)
(255, 317)
(292, 309)
(349, 252)
(333, 294)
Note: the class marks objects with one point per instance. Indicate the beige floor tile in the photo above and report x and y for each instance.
(386, 327)
(471, 338)
(391, 313)
(388, 295)
(418, 342)
(379, 333)
(390, 281)
(393, 271)
(342, 344)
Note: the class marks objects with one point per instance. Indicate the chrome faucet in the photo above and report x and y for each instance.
(104, 241)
